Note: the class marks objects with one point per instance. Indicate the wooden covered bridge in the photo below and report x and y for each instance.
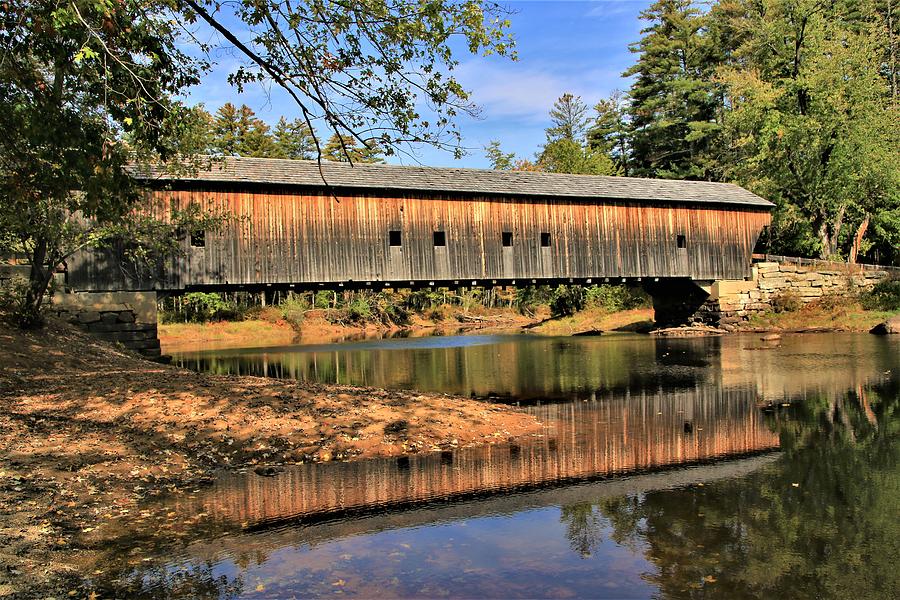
(303, 225)
(382, 224)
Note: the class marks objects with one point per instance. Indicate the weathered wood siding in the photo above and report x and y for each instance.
(295, 236)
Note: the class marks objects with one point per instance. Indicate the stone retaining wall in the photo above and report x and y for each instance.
(731, 302)
(125, 317)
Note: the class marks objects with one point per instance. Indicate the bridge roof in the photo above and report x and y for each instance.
(303, 173)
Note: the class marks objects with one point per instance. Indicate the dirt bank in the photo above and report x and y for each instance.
(87, 431)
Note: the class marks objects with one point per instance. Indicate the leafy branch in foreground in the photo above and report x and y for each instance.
(88, 87)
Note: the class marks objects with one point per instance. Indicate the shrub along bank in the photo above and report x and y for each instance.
(395, 307)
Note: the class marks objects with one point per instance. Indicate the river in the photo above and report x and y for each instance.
(725, 467)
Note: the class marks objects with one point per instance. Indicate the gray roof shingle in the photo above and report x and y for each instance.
(305, 173)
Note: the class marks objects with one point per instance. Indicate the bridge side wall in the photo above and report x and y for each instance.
(291, 236)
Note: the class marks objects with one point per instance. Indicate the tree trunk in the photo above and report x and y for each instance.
(857, 239)
(29, 313)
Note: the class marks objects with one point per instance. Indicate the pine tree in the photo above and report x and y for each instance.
(567, 150)
(609, 131)
(569, 116)
(674, 106)
(238, 132)
(294, 140)
(348, 149)
(227, 130)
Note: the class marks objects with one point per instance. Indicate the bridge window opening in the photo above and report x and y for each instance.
(545, 240)
(681, 240)
(395, 239)
(198, 239)
(506, 238)
(440, 239)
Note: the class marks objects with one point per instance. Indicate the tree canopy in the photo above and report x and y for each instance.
(88, 86)
(794, 100)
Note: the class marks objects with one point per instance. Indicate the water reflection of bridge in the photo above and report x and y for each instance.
(590, 439)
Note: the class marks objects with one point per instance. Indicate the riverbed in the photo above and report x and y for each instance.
(719, 467)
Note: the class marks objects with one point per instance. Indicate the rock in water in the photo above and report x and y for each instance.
(268, 470)
(770, 337)
(890, 326)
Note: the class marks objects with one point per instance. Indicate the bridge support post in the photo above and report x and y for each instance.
(126, 317)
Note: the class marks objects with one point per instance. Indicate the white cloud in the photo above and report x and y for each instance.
(514, 91)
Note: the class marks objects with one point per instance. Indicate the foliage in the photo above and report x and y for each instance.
(203, 307)
(567, 300)
(365, 69)
(293, 310)
(294, 140)
(13, 294)
(530, 297)
(236, 131)
(786, 301)
(675, 103)
(323, 299)
(567, 149)
(500, 161)
(569, 119)
(77, 79)
(614, 298)
(812, 123)
(796, 100)
(885, 295)
(567, 156)
(89, 86)
(608, 133)
(341, 148)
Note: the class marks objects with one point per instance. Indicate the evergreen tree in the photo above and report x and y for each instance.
(348, 149)
(569, 116)
(238, 132)
(674, 106)
(609, 131)
(567, 150)
(568, 156)
(294, 140)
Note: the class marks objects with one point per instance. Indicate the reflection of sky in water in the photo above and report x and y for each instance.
(575, 513)
(521, 555)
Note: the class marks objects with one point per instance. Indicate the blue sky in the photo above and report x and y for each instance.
(577, 46)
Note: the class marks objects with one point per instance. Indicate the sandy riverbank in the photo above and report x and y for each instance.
(87, 431)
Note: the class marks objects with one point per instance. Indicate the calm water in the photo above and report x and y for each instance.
(720, 467)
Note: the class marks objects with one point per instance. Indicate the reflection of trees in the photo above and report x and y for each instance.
(821, 522)
(583, 524)
(196, 580)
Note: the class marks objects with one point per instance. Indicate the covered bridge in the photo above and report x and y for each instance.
(300, 224)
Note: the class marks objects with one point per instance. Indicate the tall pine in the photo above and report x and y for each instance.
(567, 149)
(674, 105)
